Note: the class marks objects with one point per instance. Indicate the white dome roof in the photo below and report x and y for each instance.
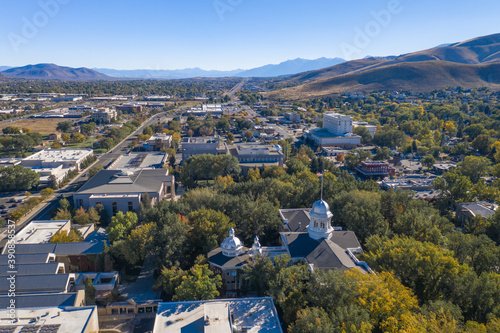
(231, 246)
(321, 210)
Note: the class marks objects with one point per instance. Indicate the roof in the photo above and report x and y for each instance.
(141, 160)
(40, 300)
(31, 269)
(297, 219)
(479, 208)
(256, 314)
(39, 231)
(67, 249)
(50, 320)
(32, 284)
(217, 258)
(323, 253)
(116, 181)
(30, 258)
(59, 155)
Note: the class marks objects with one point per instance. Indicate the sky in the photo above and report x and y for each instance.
(230, 34)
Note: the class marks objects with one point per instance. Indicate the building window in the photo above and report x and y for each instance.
(130, 206)
(115, 208)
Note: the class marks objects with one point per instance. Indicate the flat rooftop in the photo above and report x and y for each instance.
(49, 320)
(153, 160)
(37, 232)
(205, 139)
(323, 133)
(256, 314)
(256, 149)
(56, 155)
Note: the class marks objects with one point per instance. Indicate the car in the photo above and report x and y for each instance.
(12, 200)
(14, 205)
(3, 206)
(4, 211)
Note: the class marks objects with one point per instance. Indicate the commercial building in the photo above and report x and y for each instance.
(375, 169)
(68, 99)
(336, 131)
(140, 160)
(129, 108)
(257, 153)
(37, 232)
(103, 115)
(51, 320)
(123, 190)
(293, 117)
(202, 145)
(158, 141)
(206, 109)
(253, 315)
(56, 162)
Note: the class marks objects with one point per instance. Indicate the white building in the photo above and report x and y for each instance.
(103, 115)
(52, 319)
(253, 315)
(371, 128)
(38, 232)
(336, 131)
(337, 124)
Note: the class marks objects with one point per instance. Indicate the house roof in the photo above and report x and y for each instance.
(323, 253)
(31, 269)
(478, 208)
(116, 181)
(40, 300)
(31, 284)
(79, 248)
(217, 258)
(297, 219)
(37, 258)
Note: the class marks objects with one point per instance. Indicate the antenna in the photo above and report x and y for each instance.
(321, 186)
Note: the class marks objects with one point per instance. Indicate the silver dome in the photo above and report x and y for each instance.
(321, 210)
(231, 246)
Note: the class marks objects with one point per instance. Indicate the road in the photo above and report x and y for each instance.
(42, 211)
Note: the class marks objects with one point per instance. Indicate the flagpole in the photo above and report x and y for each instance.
(321, 186)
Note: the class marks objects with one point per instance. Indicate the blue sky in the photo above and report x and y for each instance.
(229, 34)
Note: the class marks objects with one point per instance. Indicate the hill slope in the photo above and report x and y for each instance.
(414, 76)
(290, 67)
(54, 72)
(435, 68)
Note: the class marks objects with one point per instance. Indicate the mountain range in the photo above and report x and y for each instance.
(54, 72)
(471, 64)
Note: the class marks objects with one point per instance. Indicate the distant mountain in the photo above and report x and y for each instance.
(284, 68)
(3, 68)
(54, 72)
(471, 64)
(165, 74)
(290, 67)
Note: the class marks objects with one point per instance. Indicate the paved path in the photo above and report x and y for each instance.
(142, 288)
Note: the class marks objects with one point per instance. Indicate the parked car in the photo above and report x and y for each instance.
(3, 206)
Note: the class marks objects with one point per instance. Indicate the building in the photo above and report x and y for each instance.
(130, 108)
(37, 232)
(466, 212)
(50, 320)
(103, 115)
(410, 182)
(293, 117)
(319, 244)
(158, 141)
(71, 299)
(371, 128)
(230, 258)
(336, 131)
(123, 190)
(375, 169)
(68, 98)
(140, 160)
(56, 162)
(256, 155)
(202, 145)
(253, 315)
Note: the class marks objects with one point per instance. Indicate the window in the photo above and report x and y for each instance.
(115, 208)
(130, 206)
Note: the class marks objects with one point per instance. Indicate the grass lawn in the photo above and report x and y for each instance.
(89, 143)
(42, 126)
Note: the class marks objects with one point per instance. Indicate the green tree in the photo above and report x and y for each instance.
(474, 167)
(64, 126)
(200, 284)
(18, 178)
(428, 161)
(383, 153)
(209, 228)
(453, 186)
(121, 225)
(89, 292)
(364, 133)
(81, 217)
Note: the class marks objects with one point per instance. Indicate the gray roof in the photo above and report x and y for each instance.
(25, 258)
(30, 284)
(217, 258)
(40, 300)
(116, 181)
(478, 209)
(298, 219)
(30, 269)
(67, 249)
(323, 253)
